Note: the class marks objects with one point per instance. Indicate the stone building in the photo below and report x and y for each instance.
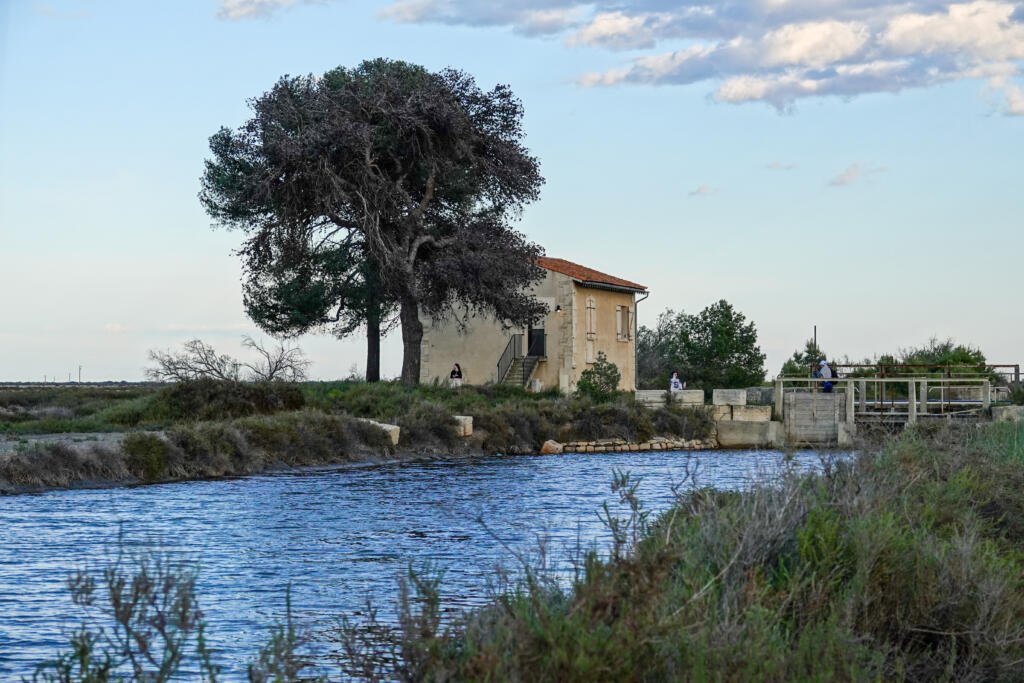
(588, 312)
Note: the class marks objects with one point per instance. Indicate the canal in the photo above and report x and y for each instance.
(336, 537)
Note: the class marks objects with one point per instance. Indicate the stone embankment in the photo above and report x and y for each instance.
(658, 443)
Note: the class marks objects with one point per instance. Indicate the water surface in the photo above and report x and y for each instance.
(336, 536)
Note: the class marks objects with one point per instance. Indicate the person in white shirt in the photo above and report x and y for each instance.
(675, 383)
(825, 372)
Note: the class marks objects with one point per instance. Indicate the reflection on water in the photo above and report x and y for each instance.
(337, 537)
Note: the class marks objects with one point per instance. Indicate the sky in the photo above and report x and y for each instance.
(851, 165)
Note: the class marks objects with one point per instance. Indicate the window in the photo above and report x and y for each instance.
(623, 323)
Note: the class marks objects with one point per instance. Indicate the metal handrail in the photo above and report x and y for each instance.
(1008, 372)
(916, 401)
(513, 350)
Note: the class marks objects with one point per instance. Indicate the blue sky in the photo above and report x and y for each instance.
(851, 165)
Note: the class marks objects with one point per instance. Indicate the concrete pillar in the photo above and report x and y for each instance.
(863, 386)
(911, 404)
(778, 399)
(851, 413)
(986, 395)
(924, 397)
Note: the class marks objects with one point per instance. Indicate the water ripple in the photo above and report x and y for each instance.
(336, 537)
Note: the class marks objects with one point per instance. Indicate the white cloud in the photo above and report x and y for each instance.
(703, 191)
(251, 9)
(48, 10)
(854, 173)
(775, 51)
(115, 328)
(1014, 99)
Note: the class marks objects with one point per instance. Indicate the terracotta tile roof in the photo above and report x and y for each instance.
(586, 275)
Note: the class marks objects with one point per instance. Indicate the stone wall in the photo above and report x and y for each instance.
(658, 443)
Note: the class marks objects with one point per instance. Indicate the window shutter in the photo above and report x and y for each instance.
(618, 323)
(591, 318)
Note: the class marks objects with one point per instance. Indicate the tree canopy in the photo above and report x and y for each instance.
(379, 187)
(802, 363)
(714, 349)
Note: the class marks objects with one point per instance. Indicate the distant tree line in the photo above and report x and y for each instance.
(934, 357)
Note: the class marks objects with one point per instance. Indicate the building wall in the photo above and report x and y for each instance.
(480, 344)
(611, 331)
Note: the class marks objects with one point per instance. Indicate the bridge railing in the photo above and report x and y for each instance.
(907, 397)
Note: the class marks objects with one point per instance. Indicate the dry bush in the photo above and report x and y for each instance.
(199, 360)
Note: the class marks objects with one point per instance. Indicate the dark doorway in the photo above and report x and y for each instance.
(536, 342)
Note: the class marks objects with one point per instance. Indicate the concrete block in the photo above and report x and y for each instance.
(737, 434)
(652, 397)
(1008, 413)
(845, 433)
(464, 424)
(720, 413)
(752, 413)
(688, 397)
(729, 397)
(760, 396)
(393, 431)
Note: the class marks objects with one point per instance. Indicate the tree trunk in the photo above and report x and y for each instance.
(412, 339)
(373, 340)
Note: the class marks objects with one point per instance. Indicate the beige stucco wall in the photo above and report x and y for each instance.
(619, 350)
(478, 346)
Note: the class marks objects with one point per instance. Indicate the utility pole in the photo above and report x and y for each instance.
(815, 336)
(79, 374)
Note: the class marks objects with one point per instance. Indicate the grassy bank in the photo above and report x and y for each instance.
(204, 429)
(197, 450)
(905, 563)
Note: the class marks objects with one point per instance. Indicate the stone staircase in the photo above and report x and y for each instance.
(520, 371)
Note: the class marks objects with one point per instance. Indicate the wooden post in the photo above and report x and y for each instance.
(851, 413)
(863, 395)
(924, 397)
(986, 395)
(911, 404)
(778, 399)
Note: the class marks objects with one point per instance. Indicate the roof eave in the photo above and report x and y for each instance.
(589, 284)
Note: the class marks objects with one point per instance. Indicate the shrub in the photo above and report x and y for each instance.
(622, 420)
(145, 455)
(428, 423)
(599, 382)
(208, 399)
(691, 422)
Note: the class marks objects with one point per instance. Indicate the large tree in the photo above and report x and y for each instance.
(714, 349)
(294, 288)
(402, 180)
